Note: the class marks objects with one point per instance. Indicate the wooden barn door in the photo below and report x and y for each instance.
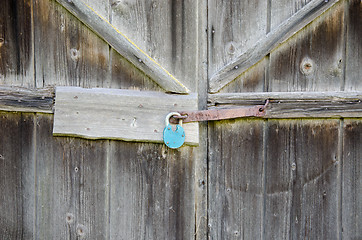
(74, 188)
(293, 175)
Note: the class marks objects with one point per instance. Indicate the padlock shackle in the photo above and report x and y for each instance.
(167, 121)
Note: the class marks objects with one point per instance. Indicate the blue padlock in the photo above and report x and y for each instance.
(173, 139)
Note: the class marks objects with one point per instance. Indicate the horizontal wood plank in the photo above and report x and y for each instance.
(265, 45)
(295, 104)
(19, 99)
(119, 114)
(122, 44)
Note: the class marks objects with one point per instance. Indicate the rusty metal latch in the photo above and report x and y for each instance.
(221, 114)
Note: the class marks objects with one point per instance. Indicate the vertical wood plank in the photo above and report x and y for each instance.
(165, 30)
(236, 179)
(354, 46)
(125, 76)
(234, 26)
(71, 185)
(17, 189)
(312, 60)
(16, 51)
(302, 179)
(352, 181)
(201, 153)
(152, 192)
(66, 51)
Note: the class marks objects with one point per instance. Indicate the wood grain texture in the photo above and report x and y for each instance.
(17, 174)
(16, 43)
(236, 179)
(71, 184)
(66, 51)
(166, 31)
(234, 27)
(152, 191)
(352, 182)
(125, 76)
(119, 114)
(294, 104)
(354, 46)
(200, 157)
(301, 179)
(266, 44)
(26, 100)
(311, 60)
(124, 45)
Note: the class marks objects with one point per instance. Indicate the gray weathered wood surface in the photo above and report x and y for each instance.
(266, 44)
(17, 173)
(26, 100)
(351, 179)
(353, 61)
(248, 178)
(302, 181)
(295, 104)
(66, 52)
(71, 185)
(16, 43)
(229, 22)
(100, 113)
(311, 60)
(175, 44)
(124, 45)
(236, 164)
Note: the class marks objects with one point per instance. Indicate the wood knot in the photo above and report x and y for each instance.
(230, 48)
(80, 230)
(307, 66)
(74, 54)
(69, 218)
(2, 41)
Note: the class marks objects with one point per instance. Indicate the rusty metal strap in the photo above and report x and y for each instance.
(221, 114)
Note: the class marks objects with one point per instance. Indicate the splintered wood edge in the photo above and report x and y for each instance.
(129, 115)
(272, 40)
(124, 46)
(19, 99)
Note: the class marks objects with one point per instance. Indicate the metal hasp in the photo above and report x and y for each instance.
(221, 114)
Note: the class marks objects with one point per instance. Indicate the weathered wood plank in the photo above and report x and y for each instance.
(152, 191)
(67, 52)
(295, 104)
(124, 45)
(26, 100)
(236, 179)
(119, 114)
(352, 181)
(165, 30)
(125, 76)
(17, 174)
(354, 46)
(234, 27)
(16, 43)
(71, 185)
(301, 180)
(200, 157)
(311, 60)
(265, 45)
